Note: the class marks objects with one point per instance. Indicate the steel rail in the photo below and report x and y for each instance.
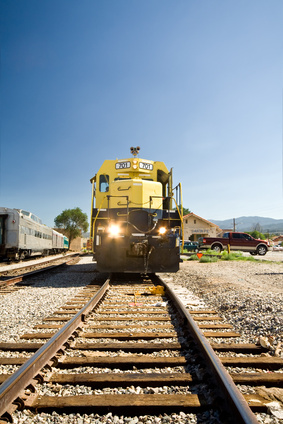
(20, 278)
(13, 387)
(27, 263)
(236, 401)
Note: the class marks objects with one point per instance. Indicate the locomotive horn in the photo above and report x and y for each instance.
(135, 150)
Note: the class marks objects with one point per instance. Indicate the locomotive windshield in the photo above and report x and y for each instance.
(104, 183)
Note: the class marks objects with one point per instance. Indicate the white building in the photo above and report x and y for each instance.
(195, 227)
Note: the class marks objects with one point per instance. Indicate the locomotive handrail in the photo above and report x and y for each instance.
(93, 180)
(112, 195)
(123, 204)
(179, 187)
(180, 213)
(141, 204)
(94, 221)
(160, 197)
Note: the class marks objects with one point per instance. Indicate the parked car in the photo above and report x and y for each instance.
(236, 241)
(277, 248)
(191, 246)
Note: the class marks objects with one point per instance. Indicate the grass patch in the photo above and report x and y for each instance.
(237, 256)
(210, 252)
(251, 259)
(232, 256)
(209, 256)
(193, 258)
(208, 259)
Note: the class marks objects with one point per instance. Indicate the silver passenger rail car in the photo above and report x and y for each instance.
(22, 234)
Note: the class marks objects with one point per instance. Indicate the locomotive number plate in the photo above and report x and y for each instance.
(122, 165)
(147, 166)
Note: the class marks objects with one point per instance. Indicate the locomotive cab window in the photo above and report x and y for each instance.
(104, 183)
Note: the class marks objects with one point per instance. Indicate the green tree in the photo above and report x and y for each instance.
(257, 235)
(186, 211)
(73, 222)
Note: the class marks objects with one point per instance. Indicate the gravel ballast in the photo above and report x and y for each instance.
(249, 295)
(23, 309)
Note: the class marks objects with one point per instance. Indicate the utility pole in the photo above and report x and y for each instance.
(234, 224)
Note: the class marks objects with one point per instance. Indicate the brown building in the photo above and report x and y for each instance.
(195, 227)
(277, 239)
(78, 244)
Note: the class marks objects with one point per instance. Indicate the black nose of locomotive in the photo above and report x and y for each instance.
(141, 220)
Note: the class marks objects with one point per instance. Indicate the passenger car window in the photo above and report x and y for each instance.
(25, 213)
(1, 229)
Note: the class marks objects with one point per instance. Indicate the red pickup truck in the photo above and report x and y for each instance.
(237, 241)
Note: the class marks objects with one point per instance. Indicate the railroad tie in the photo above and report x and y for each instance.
(142, 403)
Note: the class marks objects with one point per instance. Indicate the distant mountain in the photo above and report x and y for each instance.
(249, 223)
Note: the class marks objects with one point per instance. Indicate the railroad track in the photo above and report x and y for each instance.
(10, 282)
(129, 347)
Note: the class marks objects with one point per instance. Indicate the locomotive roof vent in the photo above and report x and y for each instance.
(135, 150)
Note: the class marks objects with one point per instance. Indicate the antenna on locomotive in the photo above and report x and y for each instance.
(135, 150)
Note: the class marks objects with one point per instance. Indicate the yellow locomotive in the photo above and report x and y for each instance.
(136, 219)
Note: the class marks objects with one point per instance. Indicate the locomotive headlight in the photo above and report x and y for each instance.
(162, 231)
(114, 230)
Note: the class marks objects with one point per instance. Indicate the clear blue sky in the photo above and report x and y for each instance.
(196, 84)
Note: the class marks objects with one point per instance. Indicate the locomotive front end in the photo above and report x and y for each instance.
(134, 228)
